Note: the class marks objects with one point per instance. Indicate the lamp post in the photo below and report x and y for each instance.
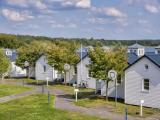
(47, 78)
(76, 92)
(141, 107)
(112, 74)
(66, 68)
(26, 65)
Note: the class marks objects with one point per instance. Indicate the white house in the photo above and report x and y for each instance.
(84, 77)
(71, 75)
(134, 52)
(142, 81)
(43, 70)
(15, 71)
(138, 49)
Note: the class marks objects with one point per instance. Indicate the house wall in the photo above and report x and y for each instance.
(84, 70)
(50, 72)
(111, 89)
(71, 77)
(31, 72)
(133, 84)
(17, 71)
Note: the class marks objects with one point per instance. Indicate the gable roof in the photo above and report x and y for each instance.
(154, 58)
(158, 47)
(84, 53)
(131, 57)
(13, 56)
(136, 45)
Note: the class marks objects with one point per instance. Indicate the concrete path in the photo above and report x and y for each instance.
(66, 103)
(16, 96)
(63, 101)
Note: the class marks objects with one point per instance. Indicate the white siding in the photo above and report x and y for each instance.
(133, 84)
(32, 72)
(50, 72)
(111, 89)
(71, 76)
(17, 71)
(84, 70)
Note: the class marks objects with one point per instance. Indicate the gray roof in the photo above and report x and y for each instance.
(150, 50)
(136, 45)
(12, 57)
(132, 57)
(158, 47)
(154, 58)
(84, 52)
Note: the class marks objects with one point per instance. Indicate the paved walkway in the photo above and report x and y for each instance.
(16, 96)
(66, 103)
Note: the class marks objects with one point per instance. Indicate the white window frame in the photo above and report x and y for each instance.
(144, 90)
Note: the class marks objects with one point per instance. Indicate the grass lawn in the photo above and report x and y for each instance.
(110, 105)
(36, 107)
(83, 92)
(26, 80)
(6, 90)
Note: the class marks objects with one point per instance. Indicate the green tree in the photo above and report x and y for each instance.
(5, 64)
(31, 53)
(62, 53)
(102, 61)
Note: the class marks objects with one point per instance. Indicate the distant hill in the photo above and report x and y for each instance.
(15, 41)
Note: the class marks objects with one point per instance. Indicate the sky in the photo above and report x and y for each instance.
(102, 19)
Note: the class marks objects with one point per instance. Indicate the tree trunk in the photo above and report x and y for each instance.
(107, 90)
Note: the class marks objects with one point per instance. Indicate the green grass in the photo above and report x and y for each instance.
(26, 81)
(83, 92)
(110, 105)
(6, 90)
(36, 107)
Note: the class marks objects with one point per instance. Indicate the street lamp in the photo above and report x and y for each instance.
(67, 67)
(112, 74)
(26, 65)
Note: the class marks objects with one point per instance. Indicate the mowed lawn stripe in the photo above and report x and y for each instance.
(6, 90)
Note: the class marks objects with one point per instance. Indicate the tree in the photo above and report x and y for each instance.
(62, 53)
(102, 61)
(31, 53)
(5, 64)
(59, 55)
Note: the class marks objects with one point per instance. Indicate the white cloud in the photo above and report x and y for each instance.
(40, 5)
(95, 20)
(84, 3)
(59, 25)
(26, 3)
(72, 3)
(152, 8)
(114, 12)
(22, 3)
(141, 21)
(109, 11)
(15, 15)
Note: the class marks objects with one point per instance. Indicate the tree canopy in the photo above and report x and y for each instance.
(104, 60)
(4, 62)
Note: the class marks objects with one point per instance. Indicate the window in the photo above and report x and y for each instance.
(44, 68)
(75, 70)
(145, 85)
(119, 79)
(89, 73)
(146, 67)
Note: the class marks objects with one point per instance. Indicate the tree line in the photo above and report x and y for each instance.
(15, 41)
